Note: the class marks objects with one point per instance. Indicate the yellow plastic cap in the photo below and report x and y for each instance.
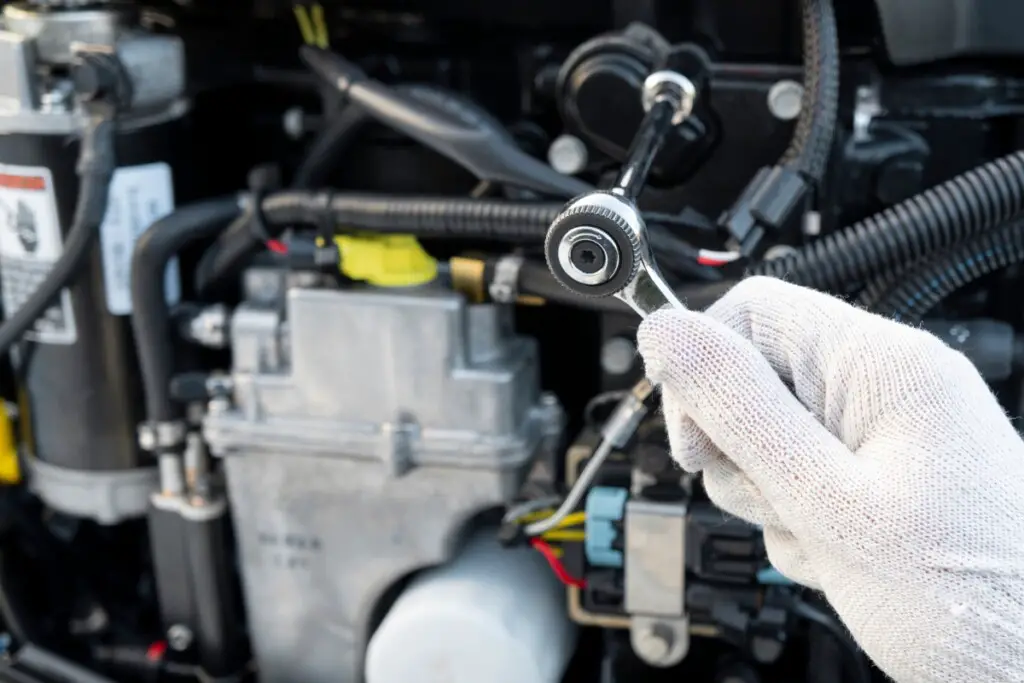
(385, 260)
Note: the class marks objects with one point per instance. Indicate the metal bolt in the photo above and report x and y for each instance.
(294, 123)
(618, 355)
(588, 255)
(653, 644)
(219, 405)
(811, 224)
(179, 637)
(209, 327)
(56, 100)
(673, 87)
(567, 154)
(785, 100)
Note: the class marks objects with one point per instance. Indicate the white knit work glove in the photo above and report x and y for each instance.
(880, 465)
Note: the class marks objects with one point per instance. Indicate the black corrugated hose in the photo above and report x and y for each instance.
(461, 218)
(151, 318)
(980, 199)
(909, 294)
(809, 149)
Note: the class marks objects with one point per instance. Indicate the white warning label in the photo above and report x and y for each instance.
(30, 243)
(139, 196)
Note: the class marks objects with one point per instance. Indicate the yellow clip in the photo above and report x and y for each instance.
(385, 260)
(10, 470)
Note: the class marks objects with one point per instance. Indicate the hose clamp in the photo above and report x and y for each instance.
(504, 288)
(154, 436)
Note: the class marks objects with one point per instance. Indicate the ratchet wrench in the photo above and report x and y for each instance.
(598, 245)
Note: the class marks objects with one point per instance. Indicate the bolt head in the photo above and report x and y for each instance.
(179, 637)
(785, 100)
(588, 256)
(567, 154)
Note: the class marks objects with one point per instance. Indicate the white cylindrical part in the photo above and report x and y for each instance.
(493, 614)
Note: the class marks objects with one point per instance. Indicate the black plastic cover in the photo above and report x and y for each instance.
(921, 31)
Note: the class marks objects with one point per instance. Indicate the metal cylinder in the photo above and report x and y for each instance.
(78, 382)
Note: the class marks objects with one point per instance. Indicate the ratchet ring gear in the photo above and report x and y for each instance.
(590, 212)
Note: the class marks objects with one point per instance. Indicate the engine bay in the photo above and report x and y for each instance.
(300, 388)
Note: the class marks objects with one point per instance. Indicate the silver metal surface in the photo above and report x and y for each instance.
(363, 438)
(598, 239)
(33, 41)
(655, 580)
(155, 65)
(673, 87)
(54, 33)
(107, 497)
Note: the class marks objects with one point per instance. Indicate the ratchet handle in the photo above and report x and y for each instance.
(598, 245)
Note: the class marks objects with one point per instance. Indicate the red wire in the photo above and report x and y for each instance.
(277, 246)
(556, 564)
(156, 651)
(706, 261)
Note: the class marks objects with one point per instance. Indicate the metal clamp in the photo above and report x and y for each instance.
(655, 581)
(504, 288)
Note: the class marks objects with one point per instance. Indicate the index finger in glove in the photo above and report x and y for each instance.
(732, 393)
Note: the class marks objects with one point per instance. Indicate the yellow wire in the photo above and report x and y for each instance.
(535, 515)
(305, 26)
(572, 520)
(564, 535)
(320, 26)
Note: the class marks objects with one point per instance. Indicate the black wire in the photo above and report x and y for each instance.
(814, 615)
(96, 164)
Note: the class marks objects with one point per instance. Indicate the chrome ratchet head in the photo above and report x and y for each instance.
(598, 246)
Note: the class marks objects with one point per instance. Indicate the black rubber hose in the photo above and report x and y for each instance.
(854, 663)
(337, 136)
(980, 199)
(537, 280)
(910, 294)
(96, 164)
(151, 319)
(809, 149)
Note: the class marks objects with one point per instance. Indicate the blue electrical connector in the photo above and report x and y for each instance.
(770, 576)
(605, 508)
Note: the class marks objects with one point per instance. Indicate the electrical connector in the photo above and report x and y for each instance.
(769, 204)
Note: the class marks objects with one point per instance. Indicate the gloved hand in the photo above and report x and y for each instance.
(880, 465)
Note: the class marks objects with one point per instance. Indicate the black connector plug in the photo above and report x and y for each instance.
(766, 205)
(310, 254)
